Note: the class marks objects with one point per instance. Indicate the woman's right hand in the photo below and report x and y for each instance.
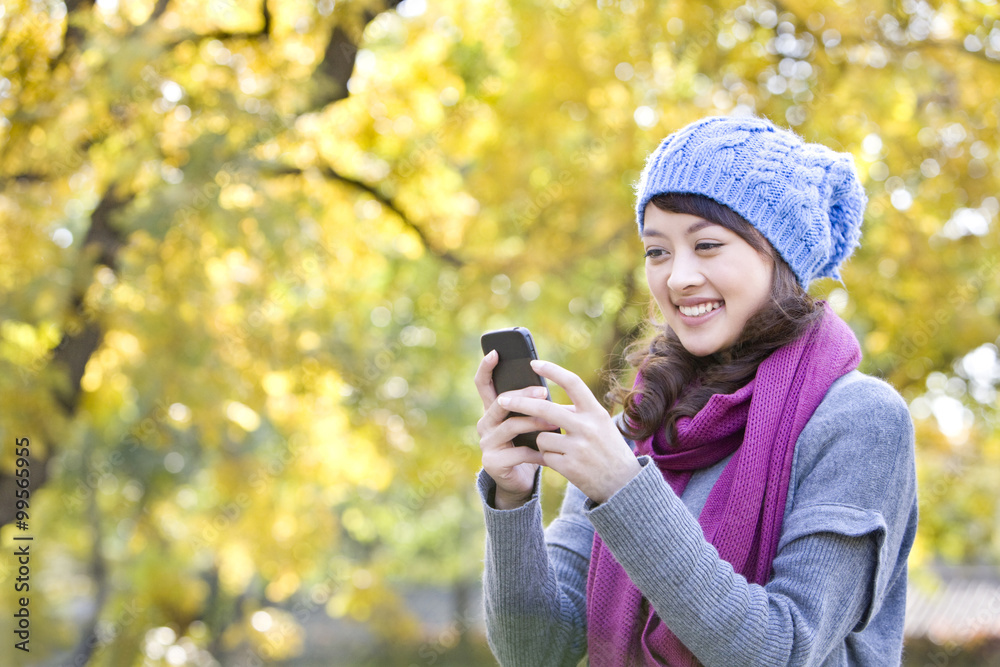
(511, 467)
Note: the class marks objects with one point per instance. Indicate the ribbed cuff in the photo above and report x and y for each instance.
(508, 530)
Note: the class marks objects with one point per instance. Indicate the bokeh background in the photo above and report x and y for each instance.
(247, 249)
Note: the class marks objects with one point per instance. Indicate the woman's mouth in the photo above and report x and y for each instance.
(700, 309)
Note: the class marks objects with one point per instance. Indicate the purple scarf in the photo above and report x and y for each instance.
(744, 510)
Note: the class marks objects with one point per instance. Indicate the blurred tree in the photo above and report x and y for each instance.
(248, 248)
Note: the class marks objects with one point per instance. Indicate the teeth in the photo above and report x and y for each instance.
(700, 309)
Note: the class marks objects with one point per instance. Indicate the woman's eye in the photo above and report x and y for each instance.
(652, 253)
(705, 245)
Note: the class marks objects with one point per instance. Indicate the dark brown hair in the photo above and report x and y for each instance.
(675, 382)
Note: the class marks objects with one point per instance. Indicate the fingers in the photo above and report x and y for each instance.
(550, 444)
(499, 436)
(510, 457)
(496, 413)
(575, 388)
(559, 416)
(484, 379)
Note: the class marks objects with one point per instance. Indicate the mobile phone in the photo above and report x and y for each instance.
(515, 349)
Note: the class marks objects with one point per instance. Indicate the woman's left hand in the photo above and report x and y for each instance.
(590, 452)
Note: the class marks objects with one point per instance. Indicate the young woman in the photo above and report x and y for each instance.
(760, 508)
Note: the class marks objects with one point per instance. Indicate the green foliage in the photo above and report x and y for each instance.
(247, 251)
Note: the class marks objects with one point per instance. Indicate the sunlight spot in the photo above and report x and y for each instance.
(838, 300)
(171, 91)
(872, 146)
(243, 415)
(62, 237)
(645, 116)
(173, 462)
(409, 9)
(624, 71)
(261, 621)
(901, 199)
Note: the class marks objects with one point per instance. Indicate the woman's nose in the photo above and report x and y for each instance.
(685, 273)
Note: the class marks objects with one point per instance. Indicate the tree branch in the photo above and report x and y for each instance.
(80, 342)
(81, 338)
(331, 174)
(337, 65)
(99, 575)
(335, 69)
(263, 33)
(158, 10)
(24, 177)
(268, 22)
(74, 34)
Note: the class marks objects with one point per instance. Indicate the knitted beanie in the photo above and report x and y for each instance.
(804, 198)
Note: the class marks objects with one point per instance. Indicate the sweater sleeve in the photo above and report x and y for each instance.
(842, 544)
(815, 598)
(534, 580)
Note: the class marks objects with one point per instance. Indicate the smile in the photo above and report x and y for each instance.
(700, 309)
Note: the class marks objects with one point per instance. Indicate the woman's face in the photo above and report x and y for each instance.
(706, 279)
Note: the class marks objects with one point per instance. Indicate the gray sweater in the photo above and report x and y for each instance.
(838, 593)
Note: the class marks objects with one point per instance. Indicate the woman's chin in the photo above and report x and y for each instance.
(704, 346)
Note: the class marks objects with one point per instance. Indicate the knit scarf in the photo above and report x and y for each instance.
(742, 516)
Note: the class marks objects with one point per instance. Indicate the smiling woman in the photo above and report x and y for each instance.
(755, 503)
(706, 279)
(769, 309)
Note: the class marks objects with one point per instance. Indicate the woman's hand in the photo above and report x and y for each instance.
(591, 452)
(511, 467)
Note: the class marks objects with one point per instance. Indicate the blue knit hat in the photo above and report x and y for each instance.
(804, 198)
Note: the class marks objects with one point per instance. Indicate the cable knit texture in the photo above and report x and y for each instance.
(804, 198)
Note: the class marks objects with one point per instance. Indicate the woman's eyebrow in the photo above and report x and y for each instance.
(701, 224)
(697, 226)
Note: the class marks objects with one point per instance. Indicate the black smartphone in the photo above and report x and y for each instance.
(516, 349)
